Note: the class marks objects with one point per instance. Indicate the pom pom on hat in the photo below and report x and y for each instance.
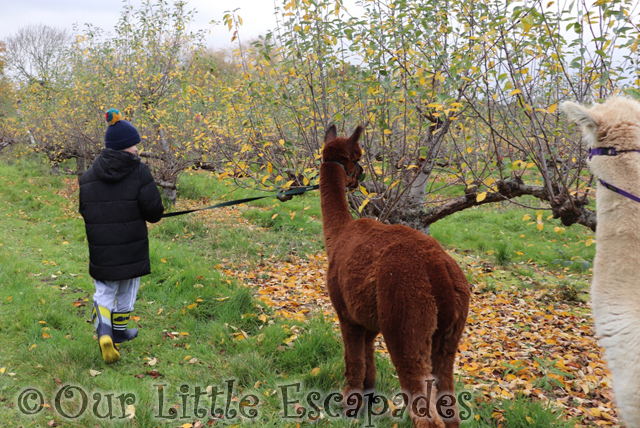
(113, 116)
(120, 133)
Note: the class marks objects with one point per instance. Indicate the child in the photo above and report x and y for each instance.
(117, 197)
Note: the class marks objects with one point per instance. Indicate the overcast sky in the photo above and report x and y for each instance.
(257, 15)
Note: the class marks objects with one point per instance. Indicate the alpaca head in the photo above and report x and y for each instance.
(615, 123)
(344, 151)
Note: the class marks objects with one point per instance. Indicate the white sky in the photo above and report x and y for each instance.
(257, 15)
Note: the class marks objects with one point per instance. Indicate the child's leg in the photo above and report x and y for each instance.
(103, 300)
(126, 295)
(105, 294)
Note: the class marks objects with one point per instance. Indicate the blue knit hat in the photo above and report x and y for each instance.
(120, 133)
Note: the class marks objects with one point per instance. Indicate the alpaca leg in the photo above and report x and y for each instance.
(353, 338)
(413, 365)
(443, 372)
(369, 352)
(443, 357)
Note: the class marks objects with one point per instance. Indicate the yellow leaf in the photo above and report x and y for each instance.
(32, 346)
(469, 150)
(9, 298)
(131, 411)
(540, 226)
(192, 306)
(316, 371)
(589, 242)
(364, 204)
(515, 92)
(163, 260)
(526, 217)
(552, 108)
(46, 335)
(387, 131)
(187, 358)
(2, 370)
(160, 311)
(274, 216)
(481, 197)
(263, 318)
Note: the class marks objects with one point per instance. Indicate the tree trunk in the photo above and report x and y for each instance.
(81, 165)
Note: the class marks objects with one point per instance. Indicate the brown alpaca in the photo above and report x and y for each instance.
(392, 280)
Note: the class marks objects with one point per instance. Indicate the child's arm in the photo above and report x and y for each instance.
(149, 199)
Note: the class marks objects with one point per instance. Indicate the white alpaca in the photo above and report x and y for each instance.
(615, 291)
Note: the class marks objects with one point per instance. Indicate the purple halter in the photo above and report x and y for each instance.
(608, 151)
(611, 151)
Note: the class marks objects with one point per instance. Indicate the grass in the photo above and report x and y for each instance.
(501, 233)
(198, 328)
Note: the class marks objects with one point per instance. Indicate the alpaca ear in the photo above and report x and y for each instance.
(353, 139)
(580, 115)
(356, 134)
(331, 134)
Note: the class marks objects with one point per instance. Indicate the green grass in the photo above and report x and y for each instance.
(198, 328)
(502, 233)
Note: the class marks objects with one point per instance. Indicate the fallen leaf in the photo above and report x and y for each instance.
(154, 374)
(131, 411)
(94, 373)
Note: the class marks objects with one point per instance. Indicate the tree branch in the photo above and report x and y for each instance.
(562, 206)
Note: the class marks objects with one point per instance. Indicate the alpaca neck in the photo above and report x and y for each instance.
(618, 217)
(618, 237)
(333, 201)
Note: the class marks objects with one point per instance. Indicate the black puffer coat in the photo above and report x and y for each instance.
(117, 197)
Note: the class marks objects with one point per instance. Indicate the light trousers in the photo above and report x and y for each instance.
(117, 296)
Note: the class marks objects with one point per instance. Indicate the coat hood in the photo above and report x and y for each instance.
(114, 165)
